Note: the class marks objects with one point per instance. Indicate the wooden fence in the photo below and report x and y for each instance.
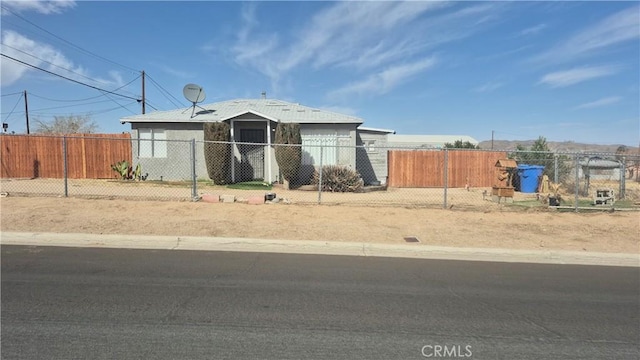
(89, 156)
(425, 168)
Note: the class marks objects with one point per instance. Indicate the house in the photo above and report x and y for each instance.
(371, 154)
(253, 123)
(161, 140)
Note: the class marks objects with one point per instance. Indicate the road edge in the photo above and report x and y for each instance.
(414, 251)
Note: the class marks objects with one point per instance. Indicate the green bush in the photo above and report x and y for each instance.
(338, 179)
(288, 157)
(217, 152)
(540, 154)
(459, 144)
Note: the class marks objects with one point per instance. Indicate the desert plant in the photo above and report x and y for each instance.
(217, 151)
(126, 172)
(540, 154)
(337, 178)
(123, 169)
(288, 151)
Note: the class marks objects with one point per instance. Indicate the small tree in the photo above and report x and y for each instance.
(72, 124)
(621, 151)
(217, 151)
(540, 154)
(459, 144)
(288, 151)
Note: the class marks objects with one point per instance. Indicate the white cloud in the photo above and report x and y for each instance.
(348, 30)
(613, 30)
(598, 103)
(489, 87)
(577, 75)
(533, 30)
(32, 52)
(358, 36)
(42, 7)
(384, 81)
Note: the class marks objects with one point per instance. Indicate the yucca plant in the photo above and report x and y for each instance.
(337, 178)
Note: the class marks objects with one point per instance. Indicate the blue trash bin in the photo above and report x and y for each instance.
(529, 177)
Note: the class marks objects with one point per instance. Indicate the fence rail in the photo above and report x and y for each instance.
(88, 156)
(176, 169)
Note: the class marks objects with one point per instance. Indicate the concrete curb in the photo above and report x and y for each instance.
(414, 251)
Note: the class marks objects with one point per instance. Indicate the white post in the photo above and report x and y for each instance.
(269, 152)
(233, 154)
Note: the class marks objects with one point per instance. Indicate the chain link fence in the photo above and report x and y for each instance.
(322, 173)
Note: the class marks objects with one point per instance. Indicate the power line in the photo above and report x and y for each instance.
(14, 107)
(66, 106)
(163, 89)
(83, 113)
(58, 100)
(66, 78)
(129, 110)
(89, 98)
(68, 42)
(153, 107)
(113, 109)
(52, 64)
(15, 93)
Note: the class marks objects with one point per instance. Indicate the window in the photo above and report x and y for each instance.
(370, 145)
(152, 143)
(314, 146)
(333, 144)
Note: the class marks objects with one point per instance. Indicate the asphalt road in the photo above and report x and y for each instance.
(83, 303)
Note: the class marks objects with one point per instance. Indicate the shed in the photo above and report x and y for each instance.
(597, 169)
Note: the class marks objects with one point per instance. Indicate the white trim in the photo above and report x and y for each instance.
(155, 145)
(249, 112)
(364, 128)
(269, 152)
(233, 153)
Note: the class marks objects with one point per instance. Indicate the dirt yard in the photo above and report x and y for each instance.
(493, 227)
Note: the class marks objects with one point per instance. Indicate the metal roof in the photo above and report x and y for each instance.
(599, 163)
(370, 129)
(276, 110)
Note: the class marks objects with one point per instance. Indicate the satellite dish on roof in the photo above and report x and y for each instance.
(194, 93)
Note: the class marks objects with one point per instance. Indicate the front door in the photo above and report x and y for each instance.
(251, 155)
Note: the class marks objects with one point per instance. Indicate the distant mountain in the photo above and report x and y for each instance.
(565, 146)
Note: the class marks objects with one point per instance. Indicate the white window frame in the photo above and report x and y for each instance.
(157, 144)
(332, 141)
(370, 145)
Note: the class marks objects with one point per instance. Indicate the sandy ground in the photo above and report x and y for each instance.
(494, 226)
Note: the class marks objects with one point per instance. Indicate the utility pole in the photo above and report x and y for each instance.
(143, 99)
(26, 110)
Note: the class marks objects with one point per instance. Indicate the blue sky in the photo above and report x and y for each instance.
(568, 71)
